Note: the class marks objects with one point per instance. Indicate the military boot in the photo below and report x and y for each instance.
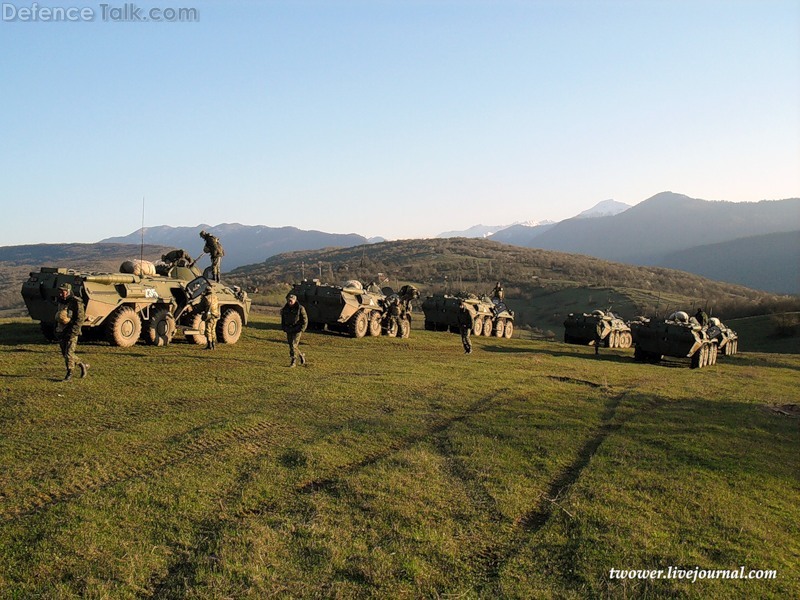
(208, 345)
(292, 364)
(84, 369)
(68, 376)
(302, 359)
(214, 345)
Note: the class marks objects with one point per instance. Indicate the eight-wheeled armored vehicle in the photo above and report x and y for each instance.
(677, 336)
(602, 326)
(490, 316)
(355, 310)
(727, 338)
(124, 307)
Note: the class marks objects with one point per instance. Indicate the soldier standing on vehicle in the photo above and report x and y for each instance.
(702, 318)
(70, 315)
(465, 326)
(498, 292)
(294, 321)
(215, 251)
(209, 307)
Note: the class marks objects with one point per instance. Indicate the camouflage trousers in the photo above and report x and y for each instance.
(215, 264)
(294, 343)
(68, 347)
(211, 329)
(465, 331)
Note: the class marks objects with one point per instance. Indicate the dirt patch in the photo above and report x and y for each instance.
(787, 410)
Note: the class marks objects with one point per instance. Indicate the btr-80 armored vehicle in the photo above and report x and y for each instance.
(490, 316)
(727, 338)
(355, 310)
(677, 336)
(602, 326)
(122, 307)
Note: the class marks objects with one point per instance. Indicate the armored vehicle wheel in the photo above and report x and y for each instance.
(488, 326)
(314, 326)
(124, 327)
(375, 323)
(477, 326)
(48, 331)
(628, 341)
(695, 360)
(404, 329)
(160, 328)
(391, 328)
(499, 328)
(196, 323)
(509, 330)
(713, 354)
(430, 326)
(358, 324)
(229, 328)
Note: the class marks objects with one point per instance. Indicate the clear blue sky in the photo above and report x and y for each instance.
(395, 118)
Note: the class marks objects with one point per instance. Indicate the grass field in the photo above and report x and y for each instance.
(392, 468)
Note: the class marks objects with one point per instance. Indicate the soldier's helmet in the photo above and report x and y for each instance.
(65, 287)
(202, 233)
(291, 297)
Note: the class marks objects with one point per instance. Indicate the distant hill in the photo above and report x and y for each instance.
(542, 285)
(606, 208)
(476, 231)
(768, 262)
(521, 235)
(667, 223)
(16, 262)
(243, 244)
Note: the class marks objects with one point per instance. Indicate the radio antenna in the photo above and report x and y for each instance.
(141, 245)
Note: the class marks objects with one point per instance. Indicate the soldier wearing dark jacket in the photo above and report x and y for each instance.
(214, 250)
(294, 321)
(70, 315)
(701, 317)
(465, 326)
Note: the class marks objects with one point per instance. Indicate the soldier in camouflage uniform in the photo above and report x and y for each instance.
(294, 321)
(465, 326)
(215, 251)
(702, 318)
(70, 315)
(209, 306)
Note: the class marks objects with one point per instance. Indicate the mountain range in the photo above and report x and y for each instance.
(756, 244)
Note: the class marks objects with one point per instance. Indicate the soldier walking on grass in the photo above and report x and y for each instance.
(70, 315)
(214, 250)
(465, 326)
(294, 321)
(209, 307)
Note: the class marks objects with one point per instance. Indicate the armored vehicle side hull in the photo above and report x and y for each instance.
(587, 329)
(656, 339)
(352, 310)
(124, 308)
(488, 318)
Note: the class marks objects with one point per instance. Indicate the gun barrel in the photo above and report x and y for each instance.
(111, 278)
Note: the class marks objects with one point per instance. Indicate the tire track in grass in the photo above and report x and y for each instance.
(257, 436)
(330, 481)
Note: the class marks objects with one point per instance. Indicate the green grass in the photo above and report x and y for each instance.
(391, 468)
(760, 334)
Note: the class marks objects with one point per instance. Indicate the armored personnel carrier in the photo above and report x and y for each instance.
(676, 336)
(727, 338)
(610, 330)
(124, 307)
(490, 316)
(355, 310)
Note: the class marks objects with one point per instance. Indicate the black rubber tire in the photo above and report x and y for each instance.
(509, 330)
(160, 328)
(488, 327)
(195, 321)
(477, 326)
(374, 323)
(404, 330)
(124, 327)
(229, 328)
(499, 328)
(358, 324)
